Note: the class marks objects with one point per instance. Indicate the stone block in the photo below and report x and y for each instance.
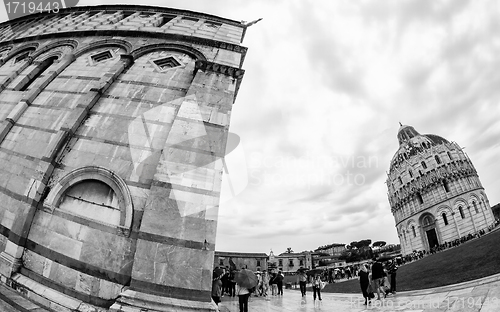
(84, 283)
(64, 276)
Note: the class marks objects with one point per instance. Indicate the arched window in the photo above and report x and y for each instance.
(420, 199)
(423, 165)
(461, 212)
(414, 233)
(475, 206)
(445, 219)
(37, 72)
(427, 220)
(92, 199)
(95, 194)
(411, 173)
(437, 159)
(446, 186)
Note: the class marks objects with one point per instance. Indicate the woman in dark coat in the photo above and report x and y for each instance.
(364, 282)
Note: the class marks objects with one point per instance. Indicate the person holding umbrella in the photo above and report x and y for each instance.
(245, 280)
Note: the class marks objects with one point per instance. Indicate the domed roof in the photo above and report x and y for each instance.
(411, 142)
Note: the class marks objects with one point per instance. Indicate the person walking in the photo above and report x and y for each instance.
(364, 282)
(317, 287)
(217, 289)
(392, 268)
(243, 294)
(303, 282)
(279, 282)
(377, 276)
(272, 282)
(265, 283)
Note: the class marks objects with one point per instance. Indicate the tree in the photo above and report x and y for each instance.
(379, 244)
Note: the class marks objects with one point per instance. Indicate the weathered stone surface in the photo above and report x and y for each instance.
(143, 110)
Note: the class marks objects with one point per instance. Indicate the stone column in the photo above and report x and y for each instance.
(456, 224)
(483, 211)
(176, 242)
(473, 223)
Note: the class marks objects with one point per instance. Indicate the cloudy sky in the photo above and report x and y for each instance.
(326, 84)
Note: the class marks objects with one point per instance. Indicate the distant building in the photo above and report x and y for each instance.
(290, 262)
(251, 261)
(434, 192)
(334, 249)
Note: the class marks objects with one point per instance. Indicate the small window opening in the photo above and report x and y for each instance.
(446, 186)
(438, 160)
(420, 199)
(414, 232)
(423, 165)
(411, 173)
(400, 181)
(165, 19)
(449, 156)
(461, 212)
(100, 57)
(445, 219)
(166, 63)
(475, 207)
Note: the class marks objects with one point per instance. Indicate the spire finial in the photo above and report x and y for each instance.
(400, 124)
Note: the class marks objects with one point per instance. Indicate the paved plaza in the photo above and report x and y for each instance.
(481, 295)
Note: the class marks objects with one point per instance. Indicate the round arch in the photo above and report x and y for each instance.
(127, 46)
(59, 54)
(430, 230)
(197, 55)
(104, 175)
(24, 48)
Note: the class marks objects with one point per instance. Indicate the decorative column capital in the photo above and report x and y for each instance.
(128, 59)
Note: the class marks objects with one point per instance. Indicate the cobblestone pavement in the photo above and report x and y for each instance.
(481, 295)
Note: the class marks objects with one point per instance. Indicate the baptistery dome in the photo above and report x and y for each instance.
(434, 192)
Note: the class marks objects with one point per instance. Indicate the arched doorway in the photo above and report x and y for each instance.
(428, 224)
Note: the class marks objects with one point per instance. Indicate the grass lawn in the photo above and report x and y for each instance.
(472, 260)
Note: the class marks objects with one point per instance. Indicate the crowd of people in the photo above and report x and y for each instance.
(224, 284)
(379, 278)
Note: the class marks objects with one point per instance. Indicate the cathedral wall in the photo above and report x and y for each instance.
(145, 114)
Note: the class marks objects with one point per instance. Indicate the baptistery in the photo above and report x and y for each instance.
(434, 192)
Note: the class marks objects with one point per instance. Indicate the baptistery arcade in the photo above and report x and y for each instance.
(434, 191)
